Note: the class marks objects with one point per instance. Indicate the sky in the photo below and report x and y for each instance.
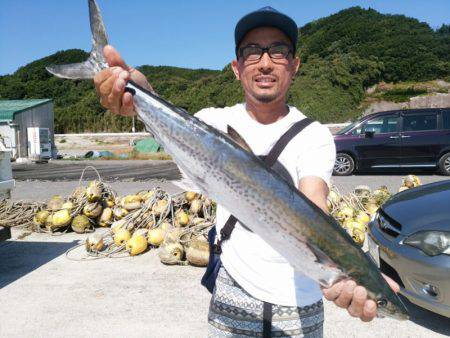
(191, 34)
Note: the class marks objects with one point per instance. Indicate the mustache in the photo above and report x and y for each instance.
(271, 77)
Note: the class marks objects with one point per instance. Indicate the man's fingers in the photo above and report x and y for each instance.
(359, 300)
(369, 311)
(104, 75)
(393, 284)
(346, 295)
(333, 292)
(127, 108)
(106, 87)
(113, 57)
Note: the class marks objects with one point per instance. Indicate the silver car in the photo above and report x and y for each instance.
(409, 240)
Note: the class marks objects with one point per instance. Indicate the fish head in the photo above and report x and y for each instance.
(392, 307)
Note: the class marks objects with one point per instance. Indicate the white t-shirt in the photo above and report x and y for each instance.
(259, 269)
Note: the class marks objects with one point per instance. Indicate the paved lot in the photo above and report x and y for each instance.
(112, 170)
(43, 294)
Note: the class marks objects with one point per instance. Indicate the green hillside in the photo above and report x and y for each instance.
(342, 55)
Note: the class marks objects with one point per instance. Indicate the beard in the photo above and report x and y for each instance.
(265, 98)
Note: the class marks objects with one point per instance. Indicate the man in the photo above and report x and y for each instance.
(252, 273)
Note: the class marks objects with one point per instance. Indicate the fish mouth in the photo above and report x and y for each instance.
(383, 312)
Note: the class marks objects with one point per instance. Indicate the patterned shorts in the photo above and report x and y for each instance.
(234, 313)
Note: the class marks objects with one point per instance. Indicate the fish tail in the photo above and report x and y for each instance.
(96, 61)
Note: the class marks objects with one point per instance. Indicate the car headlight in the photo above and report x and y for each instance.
(430, 242)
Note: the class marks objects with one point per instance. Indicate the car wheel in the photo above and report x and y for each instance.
(444, 164)
(344, 165)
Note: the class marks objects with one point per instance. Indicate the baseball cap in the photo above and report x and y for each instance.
(266, 16)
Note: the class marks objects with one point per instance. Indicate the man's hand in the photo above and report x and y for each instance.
(110, 83)
(348, 295)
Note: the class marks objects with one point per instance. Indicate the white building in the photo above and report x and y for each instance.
(27, 128)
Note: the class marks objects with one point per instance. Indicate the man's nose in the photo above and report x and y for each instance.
(265, 62)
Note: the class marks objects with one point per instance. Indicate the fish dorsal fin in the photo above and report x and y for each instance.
(236, 137)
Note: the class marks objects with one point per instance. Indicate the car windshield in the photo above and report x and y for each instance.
(347, 128)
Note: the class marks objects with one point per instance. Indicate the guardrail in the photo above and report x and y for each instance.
(329, 125)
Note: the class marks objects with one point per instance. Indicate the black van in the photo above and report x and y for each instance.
(414, 138)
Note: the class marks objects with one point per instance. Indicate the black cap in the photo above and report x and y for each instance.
(266, 16)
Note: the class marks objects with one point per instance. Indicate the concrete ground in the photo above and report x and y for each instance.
(44, 294)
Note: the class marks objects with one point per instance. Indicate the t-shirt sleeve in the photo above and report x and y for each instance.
(319, 157)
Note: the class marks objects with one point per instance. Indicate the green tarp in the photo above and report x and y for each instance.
(148, 145)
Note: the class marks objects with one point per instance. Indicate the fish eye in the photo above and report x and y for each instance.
(382, 302)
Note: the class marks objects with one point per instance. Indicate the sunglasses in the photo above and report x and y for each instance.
(255, 52)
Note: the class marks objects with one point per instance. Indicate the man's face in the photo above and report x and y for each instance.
(265, 80)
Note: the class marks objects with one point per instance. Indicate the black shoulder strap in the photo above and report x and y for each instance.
(275, 152)
(269, 160)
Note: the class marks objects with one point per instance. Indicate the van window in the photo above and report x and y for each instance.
(446, 120)
(419, 122)
(382, 124)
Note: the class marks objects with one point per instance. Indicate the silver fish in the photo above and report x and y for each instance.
(310, 240)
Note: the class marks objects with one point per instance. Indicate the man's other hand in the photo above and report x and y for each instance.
(348, 295)
(110, 83)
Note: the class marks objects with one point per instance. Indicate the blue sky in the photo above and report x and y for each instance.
(193, 34)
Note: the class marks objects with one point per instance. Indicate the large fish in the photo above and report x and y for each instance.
(311, 241)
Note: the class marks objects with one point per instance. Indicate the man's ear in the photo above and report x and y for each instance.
(234, 66)
(297, 64)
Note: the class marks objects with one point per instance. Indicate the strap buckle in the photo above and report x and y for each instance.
(217, 248)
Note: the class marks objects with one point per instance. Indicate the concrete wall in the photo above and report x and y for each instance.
(40, 116)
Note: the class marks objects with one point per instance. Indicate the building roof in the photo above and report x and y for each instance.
(10, 107)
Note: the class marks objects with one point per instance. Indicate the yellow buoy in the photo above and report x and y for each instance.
(117, 225)
(109, 202)
(333, 197)
(136, 244)
(182, 218)
(55, 203)
(106, 217)
(196, 206)
(92, 210)
(67, 205)
(40, 217)
(371, 209)
(93, 191)
(190, 195)
(119, 212)
(160, 207)
(345, 212)
(358, 236)
(362, 217)
(171, 253)
(122, 235)
(94, 243)
(156, 236)
(165, 226)
(197, 253)
(131, 202)
(80, 224)
(61, 218)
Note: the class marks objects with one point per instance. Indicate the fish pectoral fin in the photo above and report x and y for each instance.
(321, 257)
(236, 137)
(334, 274)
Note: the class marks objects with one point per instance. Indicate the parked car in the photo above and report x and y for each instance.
(415, 138)
(409, 240)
